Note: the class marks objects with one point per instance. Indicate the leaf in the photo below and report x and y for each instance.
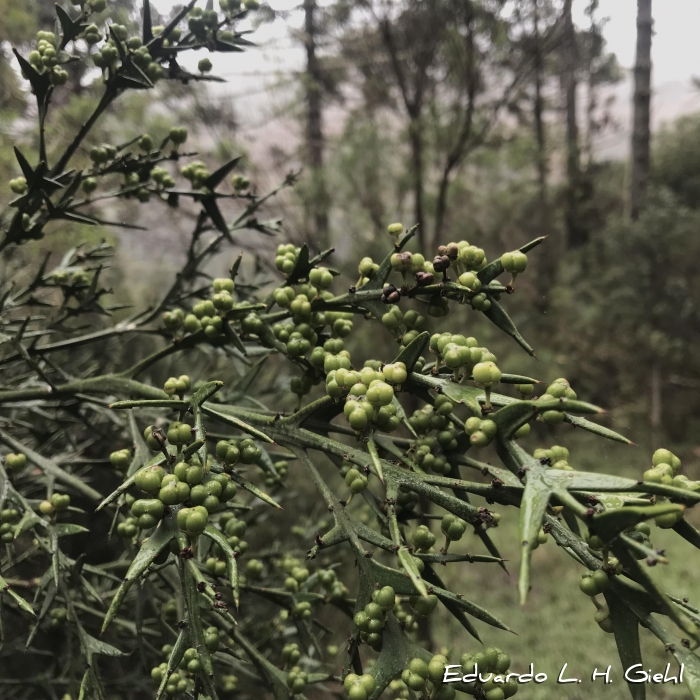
(90, 687)
(29, 520)
(495, 267)
(518, 379)
(596, 429)
(410, 567)
(409, 355)
(626, 630)
(212, 208)
(611, 523)
(497, 315)
(174, 659)
(242, 481)
(71, 29)
(374, 456)
(230, 556)
(205, 392)
(688, 532)
(148, 553)
(40, 82)
(514, 415)
(234, 338)
(95, 646)
(450, 606)
(691, 668)
(217, 177)
(157, 460)
(532, 509)
(237, 423)
(302, 268)
(21, 602)
(640, 575)
(175, 404)
(457, 393)
(65, 529)
(147, 22)
(27, 169)
(401, 413)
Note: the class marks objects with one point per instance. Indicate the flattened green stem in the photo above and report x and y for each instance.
(106, 384)
(50, 468)
(374, 455)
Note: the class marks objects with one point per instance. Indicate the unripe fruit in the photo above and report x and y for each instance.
(15, 461)
(149, 479)
(588, 586)
(486, 374)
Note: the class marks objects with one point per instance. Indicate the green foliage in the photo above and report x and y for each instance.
(171, 473)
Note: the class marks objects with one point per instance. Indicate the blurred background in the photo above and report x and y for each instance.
(485, 120)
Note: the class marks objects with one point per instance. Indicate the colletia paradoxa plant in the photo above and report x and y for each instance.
(201, 468)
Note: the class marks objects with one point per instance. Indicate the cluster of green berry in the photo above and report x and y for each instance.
(204, 492)
(370, 399)
(557, 457)
(15, 462)
(372, 619)
(482, 432)
(58, 503)
(8, 518)
(453, 527)
(291, 654)
(666, 470)
(423, 446)
(208, 315)
(366, 268)
(233, 450)
(426, 678)
(18, 185)
(233, 529)
(405, 326)
(183, 679)
(196, 173)
(359, 687)
(286, 257)
(336, 589)
(558, 389)
(514, 262)
(493, 664)
(47, 57)
(593, 583)
(296, 680)
(297, 575)
(58, 617)
(355, 480)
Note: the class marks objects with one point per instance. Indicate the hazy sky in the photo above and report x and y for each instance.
(254, 77)
(676, 54)
(675, 49)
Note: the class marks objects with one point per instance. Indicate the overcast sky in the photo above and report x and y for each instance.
(675, 49)
(254, 77)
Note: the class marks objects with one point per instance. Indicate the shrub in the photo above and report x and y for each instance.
(200, 468)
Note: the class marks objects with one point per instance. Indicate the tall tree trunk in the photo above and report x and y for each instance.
(547, 266)
(639, 175)
(314, 130)
(576, 233)
(415, 135)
